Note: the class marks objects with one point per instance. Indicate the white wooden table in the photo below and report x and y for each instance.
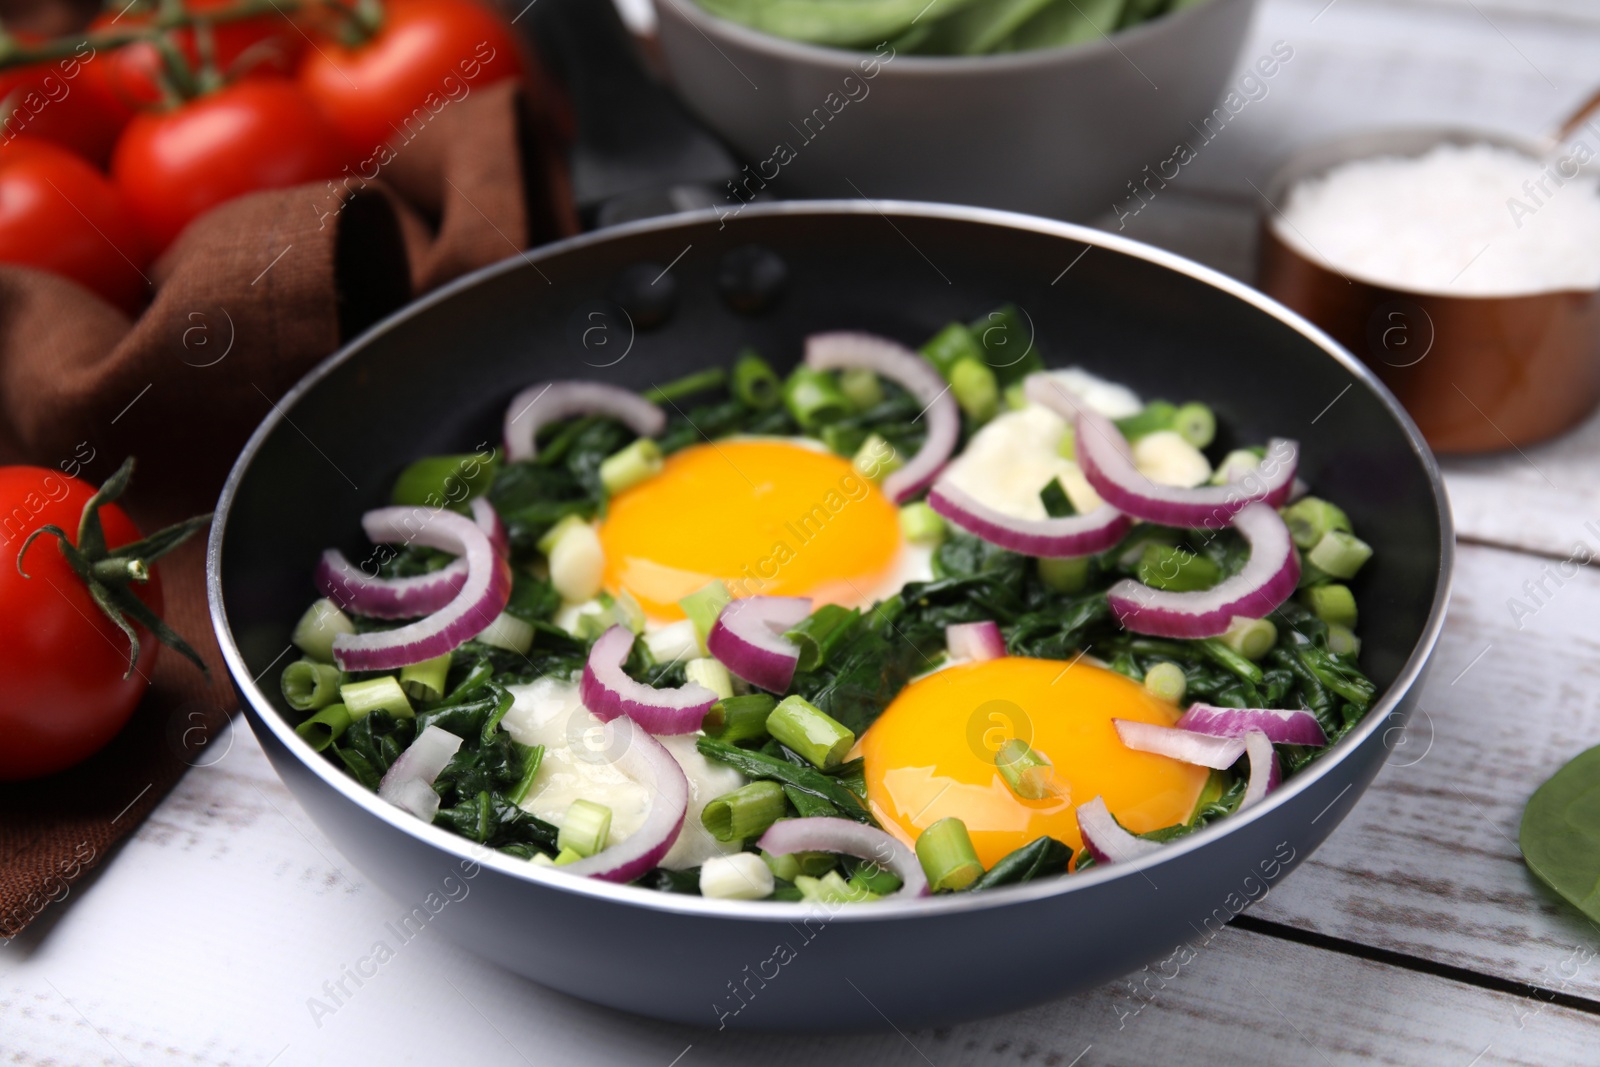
(1415, 935)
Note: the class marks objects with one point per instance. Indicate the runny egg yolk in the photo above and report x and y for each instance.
(768, 517)
(931, 754)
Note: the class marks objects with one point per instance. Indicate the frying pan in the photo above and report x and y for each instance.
(437, 376)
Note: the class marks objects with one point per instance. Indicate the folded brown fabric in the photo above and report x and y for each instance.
(246, 301)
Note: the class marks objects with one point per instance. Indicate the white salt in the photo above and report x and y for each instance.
(1461, 220)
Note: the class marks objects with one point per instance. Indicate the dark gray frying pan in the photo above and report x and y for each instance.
(437, 376)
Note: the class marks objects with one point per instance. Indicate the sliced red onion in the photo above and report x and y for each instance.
(1265, 582)
(1107, 463)
(539, 405)
(480, 600)
(843, 349)
(1105, 839)
(607, 690)
(1072, 535)
(408, 783)
(1283, 726)
(974, 640)
(404, 598)
(1265, 774)
(1202, 750)
(748, 639)
(644, 759)
(846, 837)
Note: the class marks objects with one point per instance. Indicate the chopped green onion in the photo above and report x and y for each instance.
(577, 563)
(1057, 504)
(376, 694)
(1333, 603)
(701, 381)
(1178, 569)
(1311, 518)
(950, 346)
(921, 525)
(975, 389)
(746, 812)
(625, 606)
(1067, 447)
(1196, 424)
(627, 467)
(507, 632)
(531, 760)
(1016, 396)
(445, 481)
(754, 383)
(876, 459)
(558, 531)
(309, 685)
(585, 828)
(425, 681)
(711, 674)
(871, 878)
(1007, 346)
(566, 856)
(806, 729)
(818, 634)
(1251, 638)
(704, 605)
(1067, 575)
(796, 864)
(947, 856)
(1156, 416)
(542, 859)
(862, 387)
(843, 440)
(1233, 464)
(814, 397)
(1340, 554)
(743, 718)
(831, 889)
(1342, 641)
(325, 727)
(322, 622)
(1167, 681)
(1029, 774)
(741, 876)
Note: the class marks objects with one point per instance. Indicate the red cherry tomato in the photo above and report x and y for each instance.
(59, 102)
(262, 133)
(128, 79)
(62, 693)
(58, 213)
(426, 54)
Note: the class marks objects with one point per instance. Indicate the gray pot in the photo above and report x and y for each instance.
(1061, 131)
(437, 376)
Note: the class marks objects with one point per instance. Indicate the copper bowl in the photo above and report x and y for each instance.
(1476, 373)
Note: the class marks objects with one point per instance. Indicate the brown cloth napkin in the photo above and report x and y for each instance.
(248, 299)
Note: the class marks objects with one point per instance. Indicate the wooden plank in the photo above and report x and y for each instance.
(1427, 864)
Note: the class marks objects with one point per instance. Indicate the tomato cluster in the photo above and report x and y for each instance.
(112, 142)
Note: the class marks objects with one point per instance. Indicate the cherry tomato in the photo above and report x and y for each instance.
(426, 54)
(62, 691)
(59, 102)
(58, 213)
(128, 79)
(262, 133)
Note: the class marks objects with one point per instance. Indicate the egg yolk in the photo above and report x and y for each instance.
(767, 517)
(932, 754)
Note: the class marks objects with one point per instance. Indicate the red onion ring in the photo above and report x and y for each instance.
(1285, 726)
(1265, 773)
(748, 639)
(1073, 535)
(1267, 580)
(1202, 750)
(644, 759)
(1107, 463)
(539, 405)
(404, 598)
(976, 641)
(843, 349)
(1105, 838)
(846, 837)
(480, 600)
(608, 692)
(408, 783)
